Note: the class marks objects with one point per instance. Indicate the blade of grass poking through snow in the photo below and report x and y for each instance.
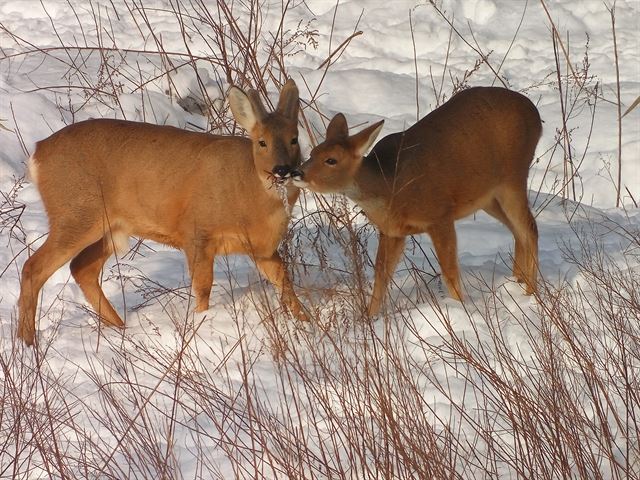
(415, 65)
(612, 14)
(3, 127)
(635, 103)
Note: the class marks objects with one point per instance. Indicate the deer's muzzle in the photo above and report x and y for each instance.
(281, 172)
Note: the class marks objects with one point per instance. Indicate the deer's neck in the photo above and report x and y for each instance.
(370, 184)
(370, 191)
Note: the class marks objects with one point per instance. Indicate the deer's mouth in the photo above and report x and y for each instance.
(280, 175)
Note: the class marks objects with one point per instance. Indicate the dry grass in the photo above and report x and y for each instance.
(413, 395)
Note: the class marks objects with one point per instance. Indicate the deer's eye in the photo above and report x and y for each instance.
(331, 161)
(294, 141)
(262, 143)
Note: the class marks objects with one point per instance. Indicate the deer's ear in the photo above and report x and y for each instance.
(337, 127)
(247, 109)
(364, 139)
(289, 102)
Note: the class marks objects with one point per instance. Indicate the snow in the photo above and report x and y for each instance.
(374, 78)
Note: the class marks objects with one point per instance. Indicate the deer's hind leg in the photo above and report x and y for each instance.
(495, 210)
(86, 268)
(515, 205)
(59, 247)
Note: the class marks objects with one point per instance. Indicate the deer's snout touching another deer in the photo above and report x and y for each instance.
(472, 153)
(104, 180)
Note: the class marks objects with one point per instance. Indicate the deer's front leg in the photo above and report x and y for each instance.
(274, 270)
(389, 251)
(201, 269)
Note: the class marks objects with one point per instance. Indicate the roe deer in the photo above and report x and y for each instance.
(104, 180)
(471, 153)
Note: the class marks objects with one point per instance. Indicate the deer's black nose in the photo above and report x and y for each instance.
(297, 174)
(281, 171)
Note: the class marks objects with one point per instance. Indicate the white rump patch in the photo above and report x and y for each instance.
(119, 241)
(32, 168)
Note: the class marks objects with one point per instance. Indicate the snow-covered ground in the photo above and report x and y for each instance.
(405, 62)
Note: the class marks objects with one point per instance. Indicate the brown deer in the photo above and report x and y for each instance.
(469, 154)
(104, 180)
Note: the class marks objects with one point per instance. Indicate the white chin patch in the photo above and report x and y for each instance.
(299, 183)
